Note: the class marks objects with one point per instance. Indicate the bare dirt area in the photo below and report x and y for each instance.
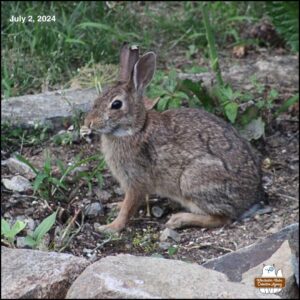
(280, 151)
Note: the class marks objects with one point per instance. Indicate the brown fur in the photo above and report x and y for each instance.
(187, 155)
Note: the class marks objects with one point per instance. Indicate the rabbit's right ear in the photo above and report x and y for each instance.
(129, 55)
(143, 71)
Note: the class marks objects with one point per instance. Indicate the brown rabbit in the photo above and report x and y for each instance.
(187, 155)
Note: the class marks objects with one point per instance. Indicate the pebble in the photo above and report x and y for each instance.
(169, 233)
(102, 194)
(164, 245)
(17, 183)
(118, 191)
(157, 211)
(94, 209)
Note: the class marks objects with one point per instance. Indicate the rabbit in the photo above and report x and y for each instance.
(187, 155)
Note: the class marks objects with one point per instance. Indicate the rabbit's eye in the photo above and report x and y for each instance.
(117, 104)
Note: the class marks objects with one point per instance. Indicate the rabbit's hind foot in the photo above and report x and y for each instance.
(180, 220)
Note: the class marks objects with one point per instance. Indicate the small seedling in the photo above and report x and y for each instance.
(39, 233)
(10, 233)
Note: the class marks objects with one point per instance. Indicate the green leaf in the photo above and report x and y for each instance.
(75, 41)
(231, 110)
(172, 250)
(17, 227)
(285, 106)
(58, 183)
(30, 241)
(249, 114)
(163, 104)
(47, 166)
(38, 181)
(174, 103)
(44, 227)
(5, 228)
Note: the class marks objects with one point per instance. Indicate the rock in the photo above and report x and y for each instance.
(157, 211)
(294, 246)
(53, 107)
(164, 245)
(21, 242)
(137, 277)
(94, 209)
(102, 195)
(31, 274)
(235, 264)
(118, 191)
(17, 183)
(17, 167)
(169, 233)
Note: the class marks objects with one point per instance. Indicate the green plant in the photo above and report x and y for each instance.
(14, 138)
(47, 185)
(285, 17)
(33, 240)
(10, 233)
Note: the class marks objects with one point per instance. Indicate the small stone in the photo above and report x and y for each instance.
(164, 245)
(21, 242)
(102, 195)
(118, 191)
(94, 209)
(169, 233)
(156, 211)
(17, 183)
(17, 167)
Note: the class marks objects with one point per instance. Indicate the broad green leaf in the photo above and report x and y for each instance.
(174, 103)
(231, 110)
(44, 227)
(30, 241)
(17, 227)
(162, 104)
(5, 228)
(172, 250)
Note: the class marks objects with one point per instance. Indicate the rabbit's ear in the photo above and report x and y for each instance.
(128, 57)
(143, 71)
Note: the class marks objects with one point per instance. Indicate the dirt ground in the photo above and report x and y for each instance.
(279, 148)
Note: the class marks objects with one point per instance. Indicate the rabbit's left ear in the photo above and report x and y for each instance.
(143, 71)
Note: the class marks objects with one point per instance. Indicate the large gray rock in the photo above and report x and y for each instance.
(127, 277)
(33, 274)
(235, 264)
(275, 69)
(49, 107)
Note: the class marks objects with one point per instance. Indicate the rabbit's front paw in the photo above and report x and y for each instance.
(176, 221)
(110, 228)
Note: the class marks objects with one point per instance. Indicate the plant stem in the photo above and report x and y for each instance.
(214, 61)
